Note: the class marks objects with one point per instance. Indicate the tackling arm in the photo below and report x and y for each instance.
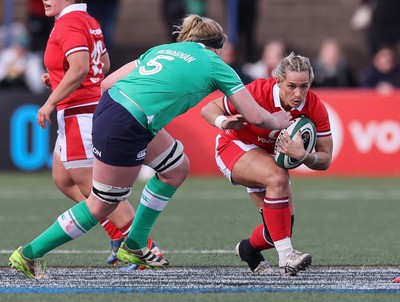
(215, 114)
(256, 115)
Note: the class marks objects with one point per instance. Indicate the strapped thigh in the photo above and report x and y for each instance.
(169, 159)
(110, 194)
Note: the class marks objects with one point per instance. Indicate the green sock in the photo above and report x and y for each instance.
(141, 227)
(68, 226)
(155, 197)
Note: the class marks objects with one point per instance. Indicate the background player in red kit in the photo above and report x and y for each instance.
(76, 60)
(244, 154)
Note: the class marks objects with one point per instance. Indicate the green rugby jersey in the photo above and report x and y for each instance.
(170, 79)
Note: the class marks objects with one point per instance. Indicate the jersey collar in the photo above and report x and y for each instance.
(277, 100)
(80, 7)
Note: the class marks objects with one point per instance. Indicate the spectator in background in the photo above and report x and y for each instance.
(38, 25)
(273, 53)
(385, 24)
(247, 18)
(197, 7)
(380, 20)
(384, 72)
(19, 67)
(331, 68)
(229, 56)
(175, 10)
(106, 13)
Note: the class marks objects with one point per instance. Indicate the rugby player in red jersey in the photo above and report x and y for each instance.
(244, 154)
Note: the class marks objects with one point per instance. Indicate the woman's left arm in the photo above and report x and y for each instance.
(73, 78)
(117, 75)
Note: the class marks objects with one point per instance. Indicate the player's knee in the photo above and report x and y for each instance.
(176, 176)
(61, 181)
(279, 179)
(184, 167)
(172, 166)
(172, 158)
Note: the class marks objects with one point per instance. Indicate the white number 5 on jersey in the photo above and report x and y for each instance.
(153, 66)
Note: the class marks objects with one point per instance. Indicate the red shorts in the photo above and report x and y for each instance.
(74, 140)
(228, 153)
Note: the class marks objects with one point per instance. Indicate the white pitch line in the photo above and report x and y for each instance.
(107, 251)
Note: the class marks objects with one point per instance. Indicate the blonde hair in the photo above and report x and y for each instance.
(200, 29)
(293, 62)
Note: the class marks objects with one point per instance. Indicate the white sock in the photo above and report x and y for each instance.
(283, 247)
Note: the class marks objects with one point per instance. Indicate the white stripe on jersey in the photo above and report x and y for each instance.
(75, 50)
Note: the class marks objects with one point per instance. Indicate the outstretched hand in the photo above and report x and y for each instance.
(283, 119)
(235, 122)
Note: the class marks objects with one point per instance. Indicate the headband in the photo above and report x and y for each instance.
(216, 43)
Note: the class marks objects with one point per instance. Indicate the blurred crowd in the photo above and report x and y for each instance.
(21, 62)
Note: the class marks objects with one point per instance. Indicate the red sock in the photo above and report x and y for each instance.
(126, 228)
(113, 232)
(277, 216)
(257, 239)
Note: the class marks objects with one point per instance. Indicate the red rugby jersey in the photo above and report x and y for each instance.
(74, 30)
(266, 93)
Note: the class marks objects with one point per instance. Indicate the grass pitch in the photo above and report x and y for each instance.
(346, 224)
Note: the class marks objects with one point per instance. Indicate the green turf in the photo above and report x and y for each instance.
(339, 221)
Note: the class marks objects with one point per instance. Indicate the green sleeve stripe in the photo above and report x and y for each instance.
(237, 88)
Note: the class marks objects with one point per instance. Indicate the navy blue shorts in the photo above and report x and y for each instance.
(118, 138)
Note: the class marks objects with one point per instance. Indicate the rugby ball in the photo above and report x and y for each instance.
(308, 134)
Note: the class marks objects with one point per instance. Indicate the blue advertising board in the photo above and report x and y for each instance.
(24, 145)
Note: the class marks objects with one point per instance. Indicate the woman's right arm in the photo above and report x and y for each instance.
(256, 115)
(215, 114)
